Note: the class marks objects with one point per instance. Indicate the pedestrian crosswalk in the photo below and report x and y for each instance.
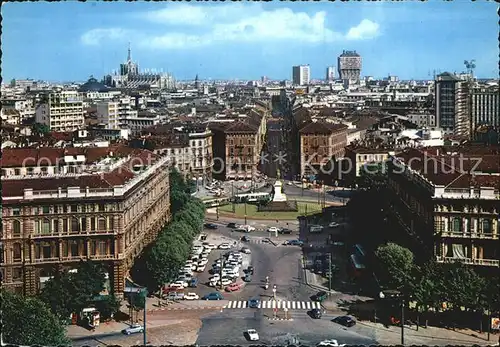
(271, 304)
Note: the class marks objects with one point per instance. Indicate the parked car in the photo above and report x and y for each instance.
(210, 226)
(247, 278)
(193, 283)
(320, 296)
(245, 239)
(250, 270)
(213, 296)
(285, 231)
(330, 343)
(224, 246)
(315, 313)
(295, 242)
(273, 229)
(176, 285)
(191, 296)
(334, 225)
(232, 225)
(253, 303)
(175, 296)
(224, 282)
(252, 335)
(133, 329)
(233, 287)
(315, 228)
(246, 250)
(345, 321)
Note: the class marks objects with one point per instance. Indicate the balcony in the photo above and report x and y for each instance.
(469, 261)
(73, 259)
(74, 234)
(469, 235)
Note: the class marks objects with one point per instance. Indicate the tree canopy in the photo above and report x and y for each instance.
(397, 264)
(28, 321)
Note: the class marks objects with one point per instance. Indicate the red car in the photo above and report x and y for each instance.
(233, 287)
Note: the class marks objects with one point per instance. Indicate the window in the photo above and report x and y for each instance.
(74, 248)
(46, 209)
(17, 274)
(101, 224)
(65, 250)
(16, 228)
(16, 211)
(92, 224)
(74, 208)
(55, 226)
(487, 227)
(45, 226)
(46, 250)
(101, 248)
(75, 225)
(16, 252)
(457, 225)
(101, 207)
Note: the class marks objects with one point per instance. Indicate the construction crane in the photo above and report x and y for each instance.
(470, 65)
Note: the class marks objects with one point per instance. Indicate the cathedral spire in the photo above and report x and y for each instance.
(129, 57)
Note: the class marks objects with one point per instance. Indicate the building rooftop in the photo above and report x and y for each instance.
(322, 128)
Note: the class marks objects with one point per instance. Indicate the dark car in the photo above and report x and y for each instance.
(285, 231)
(245, 238)
(320, 296)
(247, 278)
(231, 225)
(210, 226)
(253, 303)
(345, 321)
(315, 313)
(250, 270)
(213, 296)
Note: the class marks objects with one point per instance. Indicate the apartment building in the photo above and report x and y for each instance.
(349, 65)
(358, 156)
(61, 111)
(448, 204)
(108, 114)
(237, 146)
(322, 144)
(188, 147)
(452, 104)
(52, 222)
(301, 75)
(485, 107)
(16, 110)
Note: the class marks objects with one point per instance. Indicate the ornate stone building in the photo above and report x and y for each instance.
(447, 205)
(51, 222)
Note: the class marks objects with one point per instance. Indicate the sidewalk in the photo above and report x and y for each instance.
(391, 335)
(75, 331)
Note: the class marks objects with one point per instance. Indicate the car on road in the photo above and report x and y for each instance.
(334, 225)
(175, 296)
(247, 278)
(285, 231)
(232, 225)
(224, 282)
(233, 287)
(245, 239)
(315, 313)
(215, 277)
(224, 246)
(320, 296)
(273, 229)
(250, 270)
(203, 261)
(210, 226)
(133, 329)
(177, 285)
(253, 303)
(253, 335)
(191, 296)
(246, 250)
(213, 296)
(295, 242)
(330, 343)
(345, 321)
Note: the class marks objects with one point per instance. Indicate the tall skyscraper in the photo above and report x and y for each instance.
(485, 107)
(330, 73)
(452, 104)
(301, 75)
(349, 65)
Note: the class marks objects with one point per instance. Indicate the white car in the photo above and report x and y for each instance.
(191, 296)
(177, 285)
(248, 227)
(224, 246)
(252, 335)
(203, 261)
(246, 250)
(200, 268)
(334, 225)
(330, 343)
(224, 282)
(210, 246)
(273, 229)
(214, 278)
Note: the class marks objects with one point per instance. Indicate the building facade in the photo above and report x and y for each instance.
(51, 223)
(349, 66)
(452, 104)
(485, 107)
(330, 74)
(321, 146)
(449, 208)
(108, 114)
(61, 111)
(301, 75)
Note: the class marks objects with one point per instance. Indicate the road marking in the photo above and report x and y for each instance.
(271, 304)
(293, 305)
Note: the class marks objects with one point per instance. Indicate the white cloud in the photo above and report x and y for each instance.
(364, 30)
(196, 26)
(95, 36)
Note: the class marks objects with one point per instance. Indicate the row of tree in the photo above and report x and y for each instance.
(162, 260)
(432, 284)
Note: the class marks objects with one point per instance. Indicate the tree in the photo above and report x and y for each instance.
(428, 290)
(464, 287)
(397, 264)
(28, 321)
(178, 200)
(108, 306)
(41, 129)
(69, 293)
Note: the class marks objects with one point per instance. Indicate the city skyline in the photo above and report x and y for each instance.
(408, 40)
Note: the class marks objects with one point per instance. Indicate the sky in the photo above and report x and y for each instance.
(70, 41)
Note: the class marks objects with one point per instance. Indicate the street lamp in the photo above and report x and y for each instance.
(400, 295)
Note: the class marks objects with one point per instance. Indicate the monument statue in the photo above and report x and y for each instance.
(278, 190)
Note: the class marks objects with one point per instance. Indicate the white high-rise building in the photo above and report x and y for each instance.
(61, 111)
(330, 73)
(301, 75)
(108, 114)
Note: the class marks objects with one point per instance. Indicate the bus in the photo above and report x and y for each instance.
(357, 261)
(252, 198)
(216, 202)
